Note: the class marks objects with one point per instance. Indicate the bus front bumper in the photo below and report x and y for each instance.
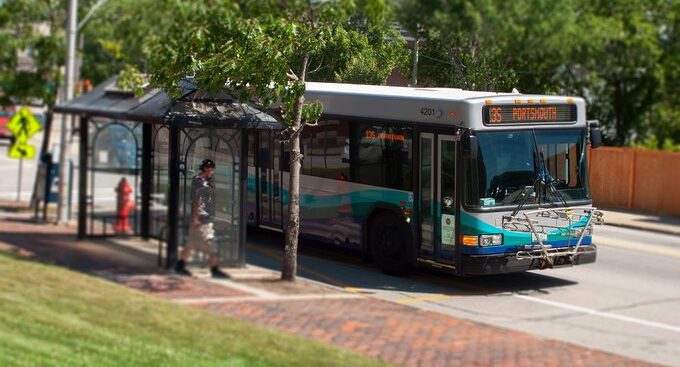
(511, 263)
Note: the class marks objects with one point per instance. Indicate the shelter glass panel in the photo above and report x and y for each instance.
(114, 163)
(158, 209)
(220, 192)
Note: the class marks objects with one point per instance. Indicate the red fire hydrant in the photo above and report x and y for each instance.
(123, 206)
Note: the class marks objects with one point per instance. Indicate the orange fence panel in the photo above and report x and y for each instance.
(657, 182)
(636, 179)
(611, 174)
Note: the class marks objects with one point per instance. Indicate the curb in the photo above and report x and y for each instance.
(10, 206)
(644, 228)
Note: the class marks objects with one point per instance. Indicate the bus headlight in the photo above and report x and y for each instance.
(490, 240)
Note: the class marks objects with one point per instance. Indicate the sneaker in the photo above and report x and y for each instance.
(217, 273)
(181, 270)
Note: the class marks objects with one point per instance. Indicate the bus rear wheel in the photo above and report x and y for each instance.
(389, 242)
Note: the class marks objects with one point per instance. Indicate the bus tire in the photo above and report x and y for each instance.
(389, 240)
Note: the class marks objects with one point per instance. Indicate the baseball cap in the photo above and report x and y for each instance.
(207, 163)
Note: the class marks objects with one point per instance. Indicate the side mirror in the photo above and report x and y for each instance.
(473, 146)
(595, 137)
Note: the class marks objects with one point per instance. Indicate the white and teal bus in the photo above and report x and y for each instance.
(471, 182)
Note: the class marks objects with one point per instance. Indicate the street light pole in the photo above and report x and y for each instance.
(66, 122)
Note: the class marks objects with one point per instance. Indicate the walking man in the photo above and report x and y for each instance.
(202, 231)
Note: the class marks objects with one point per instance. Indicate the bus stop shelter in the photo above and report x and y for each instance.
(139, 154)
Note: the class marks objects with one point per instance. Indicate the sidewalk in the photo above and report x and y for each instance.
(392, 332)
(646, 222)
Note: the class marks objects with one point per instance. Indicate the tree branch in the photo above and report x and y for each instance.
(292, 76)
(318, 67)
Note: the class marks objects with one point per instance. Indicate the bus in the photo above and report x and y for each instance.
(471, 182)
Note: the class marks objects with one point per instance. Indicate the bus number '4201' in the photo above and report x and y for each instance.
(429, 111)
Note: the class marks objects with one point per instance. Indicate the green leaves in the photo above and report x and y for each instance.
(623, 56)
(130, 79)
(32, 50)
(262, 51)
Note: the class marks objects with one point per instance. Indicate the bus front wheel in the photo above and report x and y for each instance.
(389, 241)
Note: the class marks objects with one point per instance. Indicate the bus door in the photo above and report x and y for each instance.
(269, 187)
(437, 196)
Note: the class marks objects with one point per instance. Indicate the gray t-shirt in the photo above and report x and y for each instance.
(202, 190)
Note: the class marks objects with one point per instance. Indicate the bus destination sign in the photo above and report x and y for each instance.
(521, 114)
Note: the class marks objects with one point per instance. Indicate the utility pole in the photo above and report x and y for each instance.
(67, 122)
(416, 54)
(416, 50)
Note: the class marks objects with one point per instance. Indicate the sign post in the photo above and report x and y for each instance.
(21, 173)
(23, 126)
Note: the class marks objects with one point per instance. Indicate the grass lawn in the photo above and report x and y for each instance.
(50, 316)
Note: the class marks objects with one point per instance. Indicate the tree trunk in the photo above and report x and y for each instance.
(289, 270)
(293, 225)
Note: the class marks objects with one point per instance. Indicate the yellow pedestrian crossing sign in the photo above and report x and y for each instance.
(22, 151)
(23, 125)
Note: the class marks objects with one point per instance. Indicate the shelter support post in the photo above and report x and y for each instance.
(173, 197)
(146, 180)
(82, 176)
(243, 188)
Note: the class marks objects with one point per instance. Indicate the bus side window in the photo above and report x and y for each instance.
(329, 150)
(385, 156)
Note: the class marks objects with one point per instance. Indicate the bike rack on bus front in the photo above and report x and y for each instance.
(529, 222)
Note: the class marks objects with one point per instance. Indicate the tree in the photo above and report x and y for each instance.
(262, 52)
(664, 121)
(33, 38)
(456, 49)
(491, 44)
(616, 64)
(33, 46)
(117, 37)
(621, 55)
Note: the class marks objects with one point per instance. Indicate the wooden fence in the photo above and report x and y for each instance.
(636, 179)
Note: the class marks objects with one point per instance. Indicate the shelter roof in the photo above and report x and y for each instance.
(194, 107)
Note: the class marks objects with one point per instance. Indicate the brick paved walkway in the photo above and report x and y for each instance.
(402, 335)
(394, 333)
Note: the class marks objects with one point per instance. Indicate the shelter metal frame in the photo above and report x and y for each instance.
(186, 119)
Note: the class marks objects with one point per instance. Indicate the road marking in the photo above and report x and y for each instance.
(652, 249)
(485, 290)
(356, 290)
(590, 311)
(434, 297)
(583, 310)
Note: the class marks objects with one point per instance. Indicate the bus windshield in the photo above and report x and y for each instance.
(510, 162)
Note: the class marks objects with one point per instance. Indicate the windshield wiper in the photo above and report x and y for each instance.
(549, 182)
(543, 176)
(528, 190)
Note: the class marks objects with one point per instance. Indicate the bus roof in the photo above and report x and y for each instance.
(448, 94)
(440, 106)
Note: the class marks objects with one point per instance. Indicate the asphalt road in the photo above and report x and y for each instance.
(626, 303)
